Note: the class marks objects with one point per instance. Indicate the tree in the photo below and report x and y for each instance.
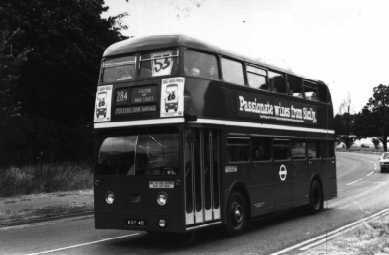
(344, 125)
(373, 120)
(49, 63)
(343, 121)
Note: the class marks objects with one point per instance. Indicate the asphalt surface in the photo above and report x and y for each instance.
(362, 191)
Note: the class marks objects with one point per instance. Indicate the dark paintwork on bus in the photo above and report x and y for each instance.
(210, 99)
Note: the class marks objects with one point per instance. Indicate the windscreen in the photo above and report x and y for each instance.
(119, 69)
(149, 154)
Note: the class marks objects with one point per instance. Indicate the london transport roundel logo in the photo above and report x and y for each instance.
(283, 172)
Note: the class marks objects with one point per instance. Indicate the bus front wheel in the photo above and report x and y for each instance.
(316, 197)
(236, 214)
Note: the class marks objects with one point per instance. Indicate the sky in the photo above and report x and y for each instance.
(345, 43)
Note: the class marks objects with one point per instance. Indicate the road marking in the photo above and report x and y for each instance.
(372, 172)
(84, 244)
(304, 245)
(351, 183)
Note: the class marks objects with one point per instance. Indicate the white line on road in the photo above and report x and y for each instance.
(351, 183)
(372, 172)
(304, 245)
(83, 244)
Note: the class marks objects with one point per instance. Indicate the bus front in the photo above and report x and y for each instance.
(138, 124)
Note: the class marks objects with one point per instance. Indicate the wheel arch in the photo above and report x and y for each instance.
(238, 187)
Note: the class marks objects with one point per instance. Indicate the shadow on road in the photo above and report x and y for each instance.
(211, 237)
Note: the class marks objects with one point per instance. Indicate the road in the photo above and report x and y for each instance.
(362, 191)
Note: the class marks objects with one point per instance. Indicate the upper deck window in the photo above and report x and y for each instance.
(200, 64)
(256, 77)
(159, 63)
(277, 82)
(295, 86)
(311, 91)
(118, 69)
(232, 71)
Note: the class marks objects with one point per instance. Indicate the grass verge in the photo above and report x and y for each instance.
(45, 178)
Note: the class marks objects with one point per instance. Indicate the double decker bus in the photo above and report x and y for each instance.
(190, 135)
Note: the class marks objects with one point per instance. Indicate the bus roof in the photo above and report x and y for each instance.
(169, 41)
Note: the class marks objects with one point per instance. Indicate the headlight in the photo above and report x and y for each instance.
(110, 198)
(162, 199)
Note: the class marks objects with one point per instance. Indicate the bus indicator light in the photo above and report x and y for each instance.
(162, 223)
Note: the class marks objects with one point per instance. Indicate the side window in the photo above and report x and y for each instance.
(256, 78)
(313, 149)
(260, 148)
(232, 71)
(311, 91)
(295, 86)
(200, 64)
(323, 93)
(281, 149)
(238, 149)
(298, 150)
(277, 82)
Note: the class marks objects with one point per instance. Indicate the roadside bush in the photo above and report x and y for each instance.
(49, 177)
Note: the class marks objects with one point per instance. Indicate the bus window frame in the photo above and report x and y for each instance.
(301, 86)
(271, 87)
(178, 57)
(138, 63)
(272, 151)
(182, 60)
(317, 143)
(102, 68)
(257, 67)
(244, 84)
(228, 161)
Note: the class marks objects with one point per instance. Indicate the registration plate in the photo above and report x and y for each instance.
(135, 222)
(161, 184)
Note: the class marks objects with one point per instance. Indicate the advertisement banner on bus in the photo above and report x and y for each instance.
(271, 109)
(172, 97)
(103, 103)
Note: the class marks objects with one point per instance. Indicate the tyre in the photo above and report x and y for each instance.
(236, 214)
(316, 200)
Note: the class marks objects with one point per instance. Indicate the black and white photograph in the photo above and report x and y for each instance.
(248, 127)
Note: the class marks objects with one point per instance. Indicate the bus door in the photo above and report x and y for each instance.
(202, 176)
(282, 173)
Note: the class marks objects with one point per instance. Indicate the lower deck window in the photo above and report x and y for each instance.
(281, 149)
(238, 149)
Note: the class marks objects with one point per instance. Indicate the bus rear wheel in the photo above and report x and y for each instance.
(236, 214)
(316, 200)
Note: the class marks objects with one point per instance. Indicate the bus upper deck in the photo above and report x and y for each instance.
(176, 79)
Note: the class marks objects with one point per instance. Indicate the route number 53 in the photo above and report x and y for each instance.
(162, 63)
